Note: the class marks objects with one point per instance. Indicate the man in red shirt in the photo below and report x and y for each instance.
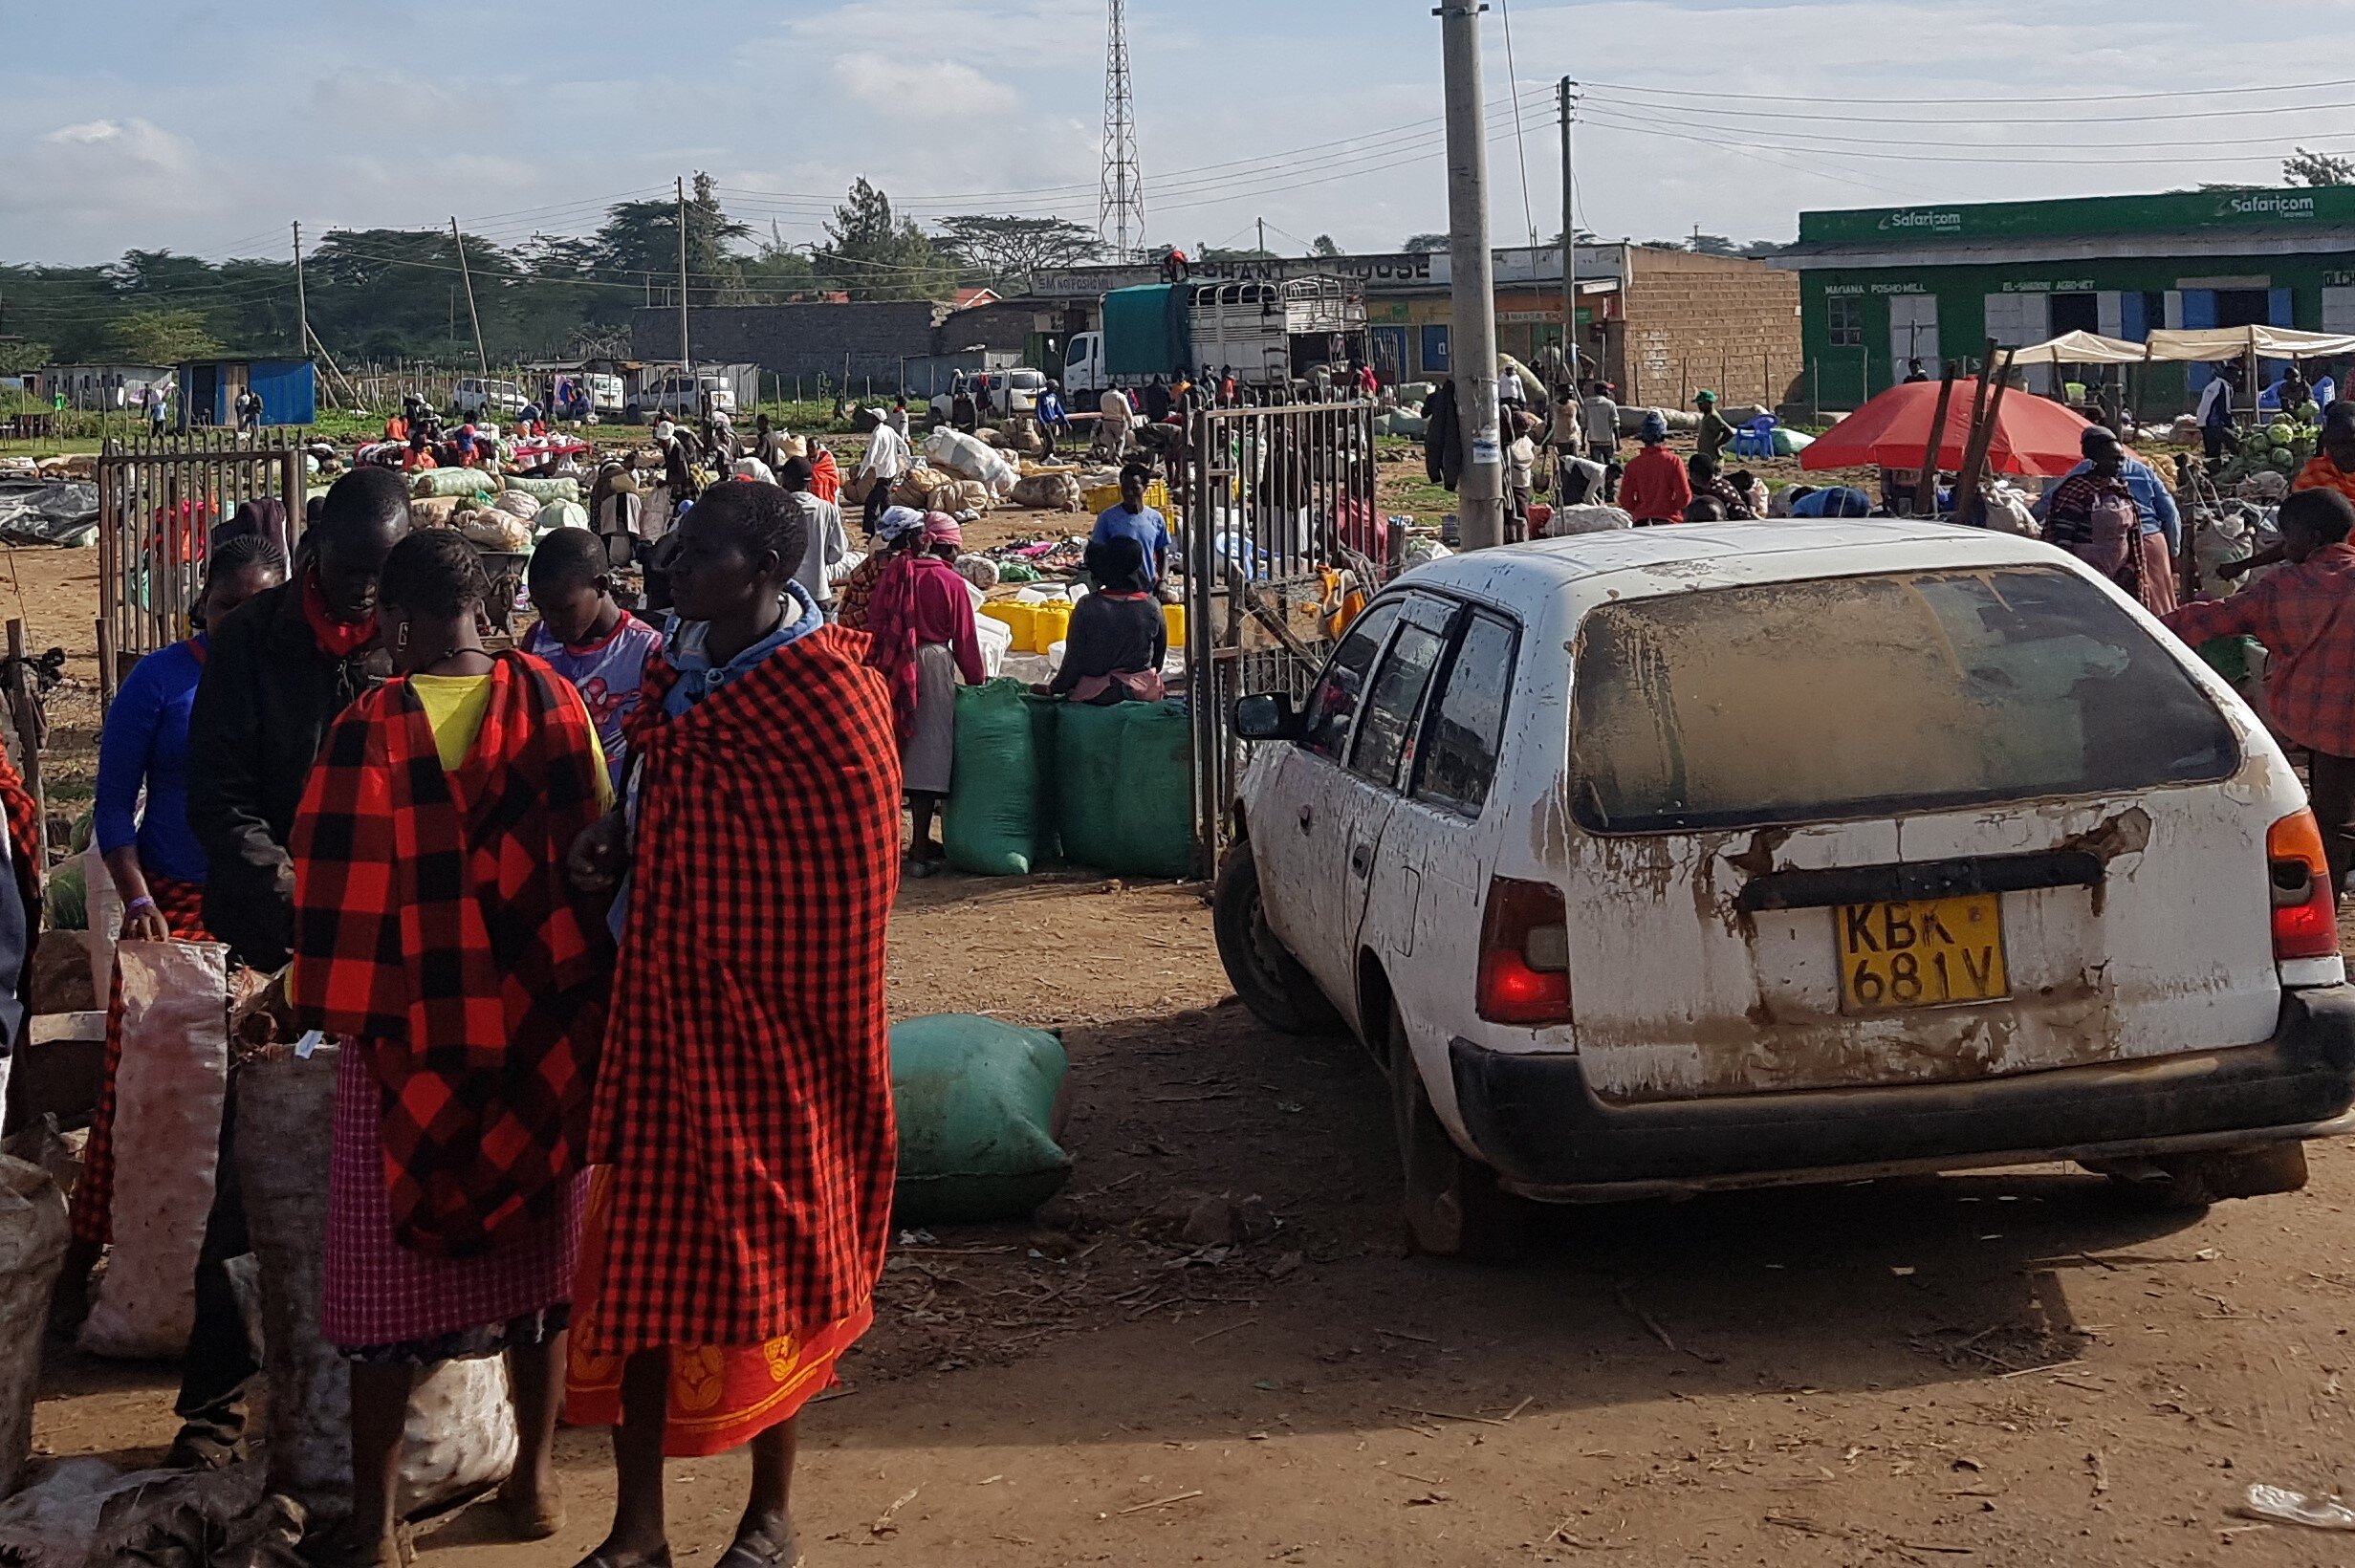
(1655, 488)
(2304, 615)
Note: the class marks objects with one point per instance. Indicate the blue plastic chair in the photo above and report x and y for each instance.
(1757, 438)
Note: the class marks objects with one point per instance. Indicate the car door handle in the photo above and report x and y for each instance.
(1308, 817)
(1361, 858)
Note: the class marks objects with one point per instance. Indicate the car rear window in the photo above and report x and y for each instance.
(1872, 695)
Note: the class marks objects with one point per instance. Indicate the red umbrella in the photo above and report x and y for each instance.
(2033, 435)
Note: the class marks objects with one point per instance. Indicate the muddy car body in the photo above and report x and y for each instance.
(1697, 857)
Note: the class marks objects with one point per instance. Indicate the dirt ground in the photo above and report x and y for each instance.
(2012, 1368)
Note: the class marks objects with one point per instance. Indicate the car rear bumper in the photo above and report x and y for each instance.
(1536, 1119)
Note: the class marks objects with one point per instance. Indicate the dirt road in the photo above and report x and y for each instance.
(2005, 1369)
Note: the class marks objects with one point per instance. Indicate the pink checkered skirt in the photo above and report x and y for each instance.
(378, 1292)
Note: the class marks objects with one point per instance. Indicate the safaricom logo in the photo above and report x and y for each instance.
(1929, 218)
(2269, 205)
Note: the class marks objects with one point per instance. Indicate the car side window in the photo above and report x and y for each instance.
(1334, 704)
(1385, 735)
(1459, 758)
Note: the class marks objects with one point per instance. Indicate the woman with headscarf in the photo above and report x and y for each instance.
(922, 638)
(1117, 639)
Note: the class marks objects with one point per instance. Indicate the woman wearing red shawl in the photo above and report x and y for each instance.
(921, 625)
(742, 1145)
(827, 475)
(436, 930)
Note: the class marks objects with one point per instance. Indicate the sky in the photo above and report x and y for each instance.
(208, 128)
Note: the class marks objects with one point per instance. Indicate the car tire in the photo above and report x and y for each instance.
(2196, 1180)
(1453, 1205)
(1269, 982)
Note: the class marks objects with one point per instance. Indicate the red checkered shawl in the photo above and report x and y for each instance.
(433, 922)
(744, 1102)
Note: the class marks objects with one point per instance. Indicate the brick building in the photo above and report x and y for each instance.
(1663, 324)
(868, 342)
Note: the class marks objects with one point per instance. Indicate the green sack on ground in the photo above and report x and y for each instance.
(1046, 717)
(545, 490)
(1123, 780)
(65, 899)
(991, 828)
(454, 482)
(977, 1105)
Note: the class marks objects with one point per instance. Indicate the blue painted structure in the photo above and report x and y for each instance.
(208, 391)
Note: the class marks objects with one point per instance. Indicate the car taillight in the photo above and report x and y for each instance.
(2306, 912)
(1525, 954)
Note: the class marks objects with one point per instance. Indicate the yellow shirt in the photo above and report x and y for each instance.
(455, 706)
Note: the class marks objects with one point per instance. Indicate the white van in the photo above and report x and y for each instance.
(1661, 860)
(676, 396)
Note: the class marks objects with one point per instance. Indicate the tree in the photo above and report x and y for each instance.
(776, 272)
(640, 239)
(1214, 253)
(18, 355)
(1422, 243)
(873, 255)
(1758, 250)
(162, 337)
(1009, 249)
(1324, 246)
(2318, 168)
(1711, 245)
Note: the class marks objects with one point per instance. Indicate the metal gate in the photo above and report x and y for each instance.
(1280, 531)
(159, 502)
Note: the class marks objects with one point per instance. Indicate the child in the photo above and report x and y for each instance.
(435, 929)
(586, 637)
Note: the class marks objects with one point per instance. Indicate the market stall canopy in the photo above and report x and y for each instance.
(2231, 342)
(2079, 348)
(2033, 435)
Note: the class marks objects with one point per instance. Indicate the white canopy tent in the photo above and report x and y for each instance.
(2079, 348)
(2085, 348)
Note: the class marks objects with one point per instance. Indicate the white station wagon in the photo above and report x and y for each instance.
(1684, 858)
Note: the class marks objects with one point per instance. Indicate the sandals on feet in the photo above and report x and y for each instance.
(761, 1552)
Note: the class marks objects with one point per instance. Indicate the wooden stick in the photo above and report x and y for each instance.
(25, 710)
(1925, 488)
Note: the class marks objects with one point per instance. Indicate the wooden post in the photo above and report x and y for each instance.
(106, 666)
(1926, 489)
(24, 713)
(1982, 435)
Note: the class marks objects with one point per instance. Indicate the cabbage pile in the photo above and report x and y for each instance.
(2280, 446)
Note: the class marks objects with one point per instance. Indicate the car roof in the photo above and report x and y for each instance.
(1685, 556)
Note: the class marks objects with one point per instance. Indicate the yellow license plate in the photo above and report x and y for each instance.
(1928, 952)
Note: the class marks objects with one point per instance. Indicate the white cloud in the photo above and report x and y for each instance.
(940, 91)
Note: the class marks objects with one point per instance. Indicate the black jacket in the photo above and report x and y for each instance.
(1442, 442)
(261, 709)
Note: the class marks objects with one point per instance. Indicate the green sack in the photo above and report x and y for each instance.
(65, 898)
(991, 828)
(1046, 719)
(977, 1105)
(1124, 783)
(454, 482)
(545, 490)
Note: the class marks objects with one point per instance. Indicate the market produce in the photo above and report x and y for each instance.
(2282, 444)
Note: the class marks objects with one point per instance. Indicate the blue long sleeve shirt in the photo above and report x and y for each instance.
(146, 746)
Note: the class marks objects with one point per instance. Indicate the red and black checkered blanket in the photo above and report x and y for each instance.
(743, 1101)
(433, 922)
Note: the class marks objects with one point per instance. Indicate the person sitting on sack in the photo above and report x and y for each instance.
(1118, 637)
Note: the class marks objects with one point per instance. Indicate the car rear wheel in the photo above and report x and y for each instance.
(1271, 983)
(1453, 1206)
(2195, 1181)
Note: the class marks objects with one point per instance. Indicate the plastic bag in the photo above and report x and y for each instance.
(461, 1434)
(558, 515)
(1588, 519)
(454, 482)
(1124, 785)
(991, 827)
(168, 1093)
(520, 504)
(544, 490)
(976, 1100)
(33, 1240)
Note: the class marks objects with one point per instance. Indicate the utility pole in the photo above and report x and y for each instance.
(302, 310)
(466, 277)
(1263, 236)
(1120, 197)
(686, 357)
(1472, 351)
(1569, 238)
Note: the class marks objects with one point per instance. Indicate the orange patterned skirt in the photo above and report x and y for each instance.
(721, 1395)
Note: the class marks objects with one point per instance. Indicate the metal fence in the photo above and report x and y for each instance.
(159, 502)
(1281, 534)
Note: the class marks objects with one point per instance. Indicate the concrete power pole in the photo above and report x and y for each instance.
(1570, 353)
(1471, 351)
(466, 277)
(687, 359)
(302, 310)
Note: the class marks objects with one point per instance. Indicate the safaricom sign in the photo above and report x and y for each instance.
(1930, 219)
(2268, 205)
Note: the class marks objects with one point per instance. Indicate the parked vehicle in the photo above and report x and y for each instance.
(605, 393)
(1272, 336)
(1825, 851)
(678, 396)
(475, 398)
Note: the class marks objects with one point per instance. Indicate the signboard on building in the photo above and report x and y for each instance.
(1380, 273)
(2175, 210)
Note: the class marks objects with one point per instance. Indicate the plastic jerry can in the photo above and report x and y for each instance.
(1050, 623)
(1019, 618)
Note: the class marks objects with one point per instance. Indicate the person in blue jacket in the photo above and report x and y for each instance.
(1053, 421)
(2153, 502)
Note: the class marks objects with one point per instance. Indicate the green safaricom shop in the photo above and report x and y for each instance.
(1882, 287)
